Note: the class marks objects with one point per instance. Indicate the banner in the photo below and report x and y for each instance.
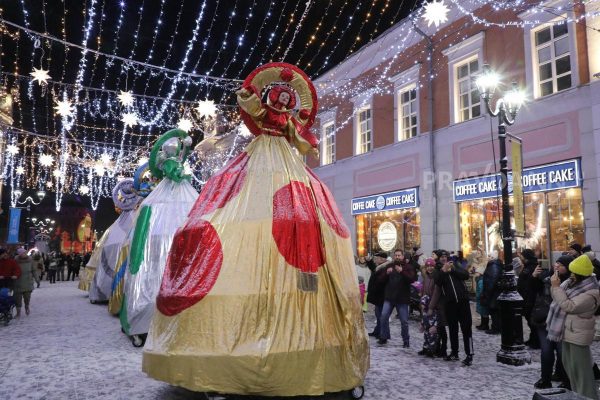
(517, 186)
(561, 175)
(408, 198)
(13, 226)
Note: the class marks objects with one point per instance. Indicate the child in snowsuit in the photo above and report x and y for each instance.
(429, 329)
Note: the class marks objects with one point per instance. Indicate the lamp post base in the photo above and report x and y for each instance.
(516, 355)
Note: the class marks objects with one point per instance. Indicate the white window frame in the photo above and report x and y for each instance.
(531, 64)
(362, 102)
(466, 51)
(326, 119)
(404, 81)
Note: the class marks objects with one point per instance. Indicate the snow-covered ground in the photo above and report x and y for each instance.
(70, 349)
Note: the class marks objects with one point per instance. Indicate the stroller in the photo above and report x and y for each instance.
(7, 305)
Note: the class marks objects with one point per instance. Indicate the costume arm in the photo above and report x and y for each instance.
(302, 138)
(249, 101)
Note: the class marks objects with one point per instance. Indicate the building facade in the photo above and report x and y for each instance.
(412, 155)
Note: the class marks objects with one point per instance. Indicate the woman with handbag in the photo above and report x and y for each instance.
(551, 351)
(571, 320)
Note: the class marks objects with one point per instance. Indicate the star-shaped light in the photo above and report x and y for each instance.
(125, 98)
(12, 149)
(129, 119)
(56, 173)
(105, 158)
(20, 170)
(184, 124)
(83, 189)
(46, 160)
(49, 185)
(436, 13)
(207, 108)
(99, 169)
(64, 108)
(40, 75)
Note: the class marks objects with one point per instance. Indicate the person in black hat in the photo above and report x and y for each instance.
(538, 321)
(575, 250)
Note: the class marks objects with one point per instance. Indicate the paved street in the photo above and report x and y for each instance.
(70, 349)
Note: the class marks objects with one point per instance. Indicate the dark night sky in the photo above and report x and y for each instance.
(339, 25)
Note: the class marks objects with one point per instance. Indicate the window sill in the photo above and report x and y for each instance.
(472, 120)
(556, 94)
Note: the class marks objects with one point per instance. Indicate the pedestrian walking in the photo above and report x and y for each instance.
(38, 268)
(571, 320)
(9, 270)
(24, 284)
(60, 267)
(52, 267)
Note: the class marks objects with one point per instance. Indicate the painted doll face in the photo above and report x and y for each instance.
(284, 98)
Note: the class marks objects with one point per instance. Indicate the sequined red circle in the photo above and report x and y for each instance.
(192, 269)
(328, 206)
(296, 228)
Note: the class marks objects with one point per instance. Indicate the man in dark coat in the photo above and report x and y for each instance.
(528, 288)
(451, 281)
(491, 290)
(376, 289)
(397, 295)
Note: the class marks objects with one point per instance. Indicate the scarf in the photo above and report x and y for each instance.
(555, 322)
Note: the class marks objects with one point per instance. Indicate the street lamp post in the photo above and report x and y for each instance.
(512, 351)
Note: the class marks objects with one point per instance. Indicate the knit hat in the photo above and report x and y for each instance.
(565, 260)
(430, 261)
(576, 247)
(582, 265)
(586, 248)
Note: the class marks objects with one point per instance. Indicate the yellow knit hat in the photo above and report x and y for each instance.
(582, 265)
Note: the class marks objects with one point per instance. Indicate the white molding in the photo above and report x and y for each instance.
(544, 19)
(468, 49)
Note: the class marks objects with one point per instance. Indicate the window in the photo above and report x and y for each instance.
(407, 105)
(468, 95)
(553, 57)
(328, 139)
(365, 129)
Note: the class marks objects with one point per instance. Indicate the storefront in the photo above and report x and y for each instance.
(553, 207)
(387, 221)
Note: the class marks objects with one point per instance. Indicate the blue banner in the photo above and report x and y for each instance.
(13, 226)
(408, 198)
(555, 176)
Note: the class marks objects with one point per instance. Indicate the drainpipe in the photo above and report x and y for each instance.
(431, 136)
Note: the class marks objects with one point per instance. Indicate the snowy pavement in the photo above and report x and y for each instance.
(70, 349)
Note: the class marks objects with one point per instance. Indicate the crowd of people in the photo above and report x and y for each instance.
(560, 303)
(21, 271)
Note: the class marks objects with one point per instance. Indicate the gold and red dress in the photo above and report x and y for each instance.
(260, 295)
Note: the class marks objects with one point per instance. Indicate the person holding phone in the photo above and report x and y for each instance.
(571, 321)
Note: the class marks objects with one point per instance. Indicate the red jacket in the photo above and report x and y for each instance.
(9, 267)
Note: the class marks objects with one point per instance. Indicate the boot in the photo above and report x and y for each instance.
(484, 326)
(18, 312)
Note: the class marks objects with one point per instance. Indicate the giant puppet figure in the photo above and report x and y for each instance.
(102, 263)
(159, 216)
(260, 295)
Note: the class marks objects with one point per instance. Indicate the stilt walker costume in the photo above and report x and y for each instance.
(260, 295)
(159, 216)
(143, 184)
(126, 200)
